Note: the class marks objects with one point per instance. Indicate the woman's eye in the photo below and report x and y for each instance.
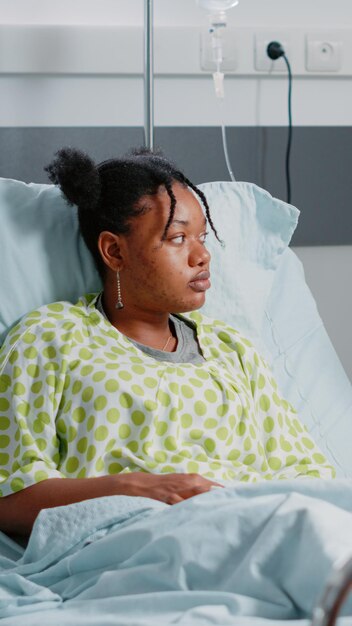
(203, 237)
(178, 239)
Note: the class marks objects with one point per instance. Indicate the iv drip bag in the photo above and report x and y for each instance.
(217, 5)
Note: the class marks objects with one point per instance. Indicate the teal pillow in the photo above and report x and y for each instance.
(42, 256)
(255, 229)
(306, 365)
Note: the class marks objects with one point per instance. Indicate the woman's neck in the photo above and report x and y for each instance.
(150, 328)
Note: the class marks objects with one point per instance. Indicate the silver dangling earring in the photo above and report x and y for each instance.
(119, 303)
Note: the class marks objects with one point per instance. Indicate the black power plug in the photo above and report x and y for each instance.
(275, 50)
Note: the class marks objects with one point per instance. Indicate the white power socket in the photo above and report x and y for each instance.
(323, 54)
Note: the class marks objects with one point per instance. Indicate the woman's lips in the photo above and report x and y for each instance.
(200, 282)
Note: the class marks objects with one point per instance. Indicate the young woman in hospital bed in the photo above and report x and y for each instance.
(160, 400)
(133, 391)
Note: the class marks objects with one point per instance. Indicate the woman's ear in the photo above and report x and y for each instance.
(109, 246)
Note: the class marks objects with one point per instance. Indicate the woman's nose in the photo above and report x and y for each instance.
(199, 255)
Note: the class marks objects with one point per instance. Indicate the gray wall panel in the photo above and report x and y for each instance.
(321, 164)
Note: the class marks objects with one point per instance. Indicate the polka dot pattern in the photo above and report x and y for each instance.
(78, 399)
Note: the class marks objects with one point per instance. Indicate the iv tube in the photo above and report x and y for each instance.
(218, 22)
(226, 154)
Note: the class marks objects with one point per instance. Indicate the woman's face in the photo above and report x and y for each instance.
(171, 274)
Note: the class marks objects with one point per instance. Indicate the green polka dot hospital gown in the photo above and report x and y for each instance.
(79, 399)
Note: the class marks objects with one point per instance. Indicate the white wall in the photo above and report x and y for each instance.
(315, 13)
(71, 101)
(60, 100)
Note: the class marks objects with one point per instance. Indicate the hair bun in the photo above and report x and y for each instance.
(77, 176)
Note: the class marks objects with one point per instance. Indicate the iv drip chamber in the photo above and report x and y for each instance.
(217, 5)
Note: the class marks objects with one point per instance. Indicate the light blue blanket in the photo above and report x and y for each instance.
(248, 555)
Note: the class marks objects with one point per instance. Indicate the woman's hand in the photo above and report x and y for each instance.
(168, 488)
(19, 510)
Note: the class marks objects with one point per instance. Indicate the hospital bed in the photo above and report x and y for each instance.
(69, 573)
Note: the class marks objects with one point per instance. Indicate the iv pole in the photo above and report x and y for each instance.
(148, 75)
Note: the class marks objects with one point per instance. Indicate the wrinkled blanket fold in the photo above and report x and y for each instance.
(249, 554)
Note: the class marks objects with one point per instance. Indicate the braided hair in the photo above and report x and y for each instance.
(107, 195)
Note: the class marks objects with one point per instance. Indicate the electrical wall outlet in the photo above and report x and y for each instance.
(262, 62)
(323, 54)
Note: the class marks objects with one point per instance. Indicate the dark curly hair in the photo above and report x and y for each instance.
(107, 194)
